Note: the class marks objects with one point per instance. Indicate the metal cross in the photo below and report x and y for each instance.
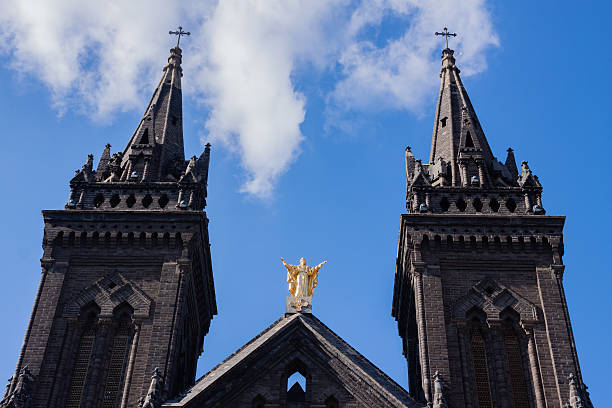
(446, 34)
(179, 33)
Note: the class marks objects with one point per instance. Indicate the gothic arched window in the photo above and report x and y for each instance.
(331, 402)
(117, 357)
(82, 358)
(518, 383)
(480, 365)
(259, 402)
(297, 382)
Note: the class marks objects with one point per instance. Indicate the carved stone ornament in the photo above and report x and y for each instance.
(438, 400)
(153, 399)
(299, 304)
(21, 396)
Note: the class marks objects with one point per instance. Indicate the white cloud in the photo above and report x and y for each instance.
(253, 50)
(94, 55)
(91, 54)
(400, 74)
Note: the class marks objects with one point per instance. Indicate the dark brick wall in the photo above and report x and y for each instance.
(450, 256)
(164, 256)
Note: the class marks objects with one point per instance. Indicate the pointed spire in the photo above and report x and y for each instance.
(156, 151)
(511, 163)
(457, 134)
(204, 163)
(103, 170)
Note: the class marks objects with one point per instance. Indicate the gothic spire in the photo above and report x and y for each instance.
(151, 173)
(457, 132)
(155, 152)
(461, 165)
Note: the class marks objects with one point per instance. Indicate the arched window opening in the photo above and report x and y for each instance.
(98, 200)
(296, 387)
(258, 402)
(163, 201)
(461, 204)
(469, 142)
(518, 383)
(511, 205)
(331, 402)
(131, 200)
(115, 200)
(444, 204)
(494, 205)
(147, 200)
(477, 204)
(118, 356)
(145, 137)
(480, 366)
(83, 357)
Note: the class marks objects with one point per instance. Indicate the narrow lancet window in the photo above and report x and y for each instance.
(518, 385)
(116, 366)
(481, 369)
(82, 362)
(296, 386)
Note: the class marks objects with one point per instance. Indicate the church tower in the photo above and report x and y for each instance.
(127, 286)
(478, 294)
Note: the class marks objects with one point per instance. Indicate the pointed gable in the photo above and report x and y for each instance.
(299, 342)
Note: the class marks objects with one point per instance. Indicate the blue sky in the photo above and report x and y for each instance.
(309, 160)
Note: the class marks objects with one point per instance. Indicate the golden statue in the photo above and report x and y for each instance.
(302, 278)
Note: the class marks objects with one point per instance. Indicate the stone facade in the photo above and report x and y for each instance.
(127, 293)
(478, 288)
(127, 282)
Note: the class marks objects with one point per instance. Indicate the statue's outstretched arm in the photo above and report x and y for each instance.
(290, 268)
(285, 263)
(320, 265)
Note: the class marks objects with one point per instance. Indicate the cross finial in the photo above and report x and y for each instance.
(446, 34)
(179, 33)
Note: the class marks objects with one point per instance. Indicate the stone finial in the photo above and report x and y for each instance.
(525, 169)
(438, 398)
(114, 167)
(21, 395)
(8, 390)
(511, 163)
(102, 172)
(575, 399)
(191, 165)
(203, 164)
(410, 165)
(153, 399)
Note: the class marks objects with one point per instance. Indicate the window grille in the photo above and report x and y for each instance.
(518, 385)
(481, 370)
(81, 365)
(118, 354)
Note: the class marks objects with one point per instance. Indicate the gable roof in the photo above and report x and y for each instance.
(372, 381)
